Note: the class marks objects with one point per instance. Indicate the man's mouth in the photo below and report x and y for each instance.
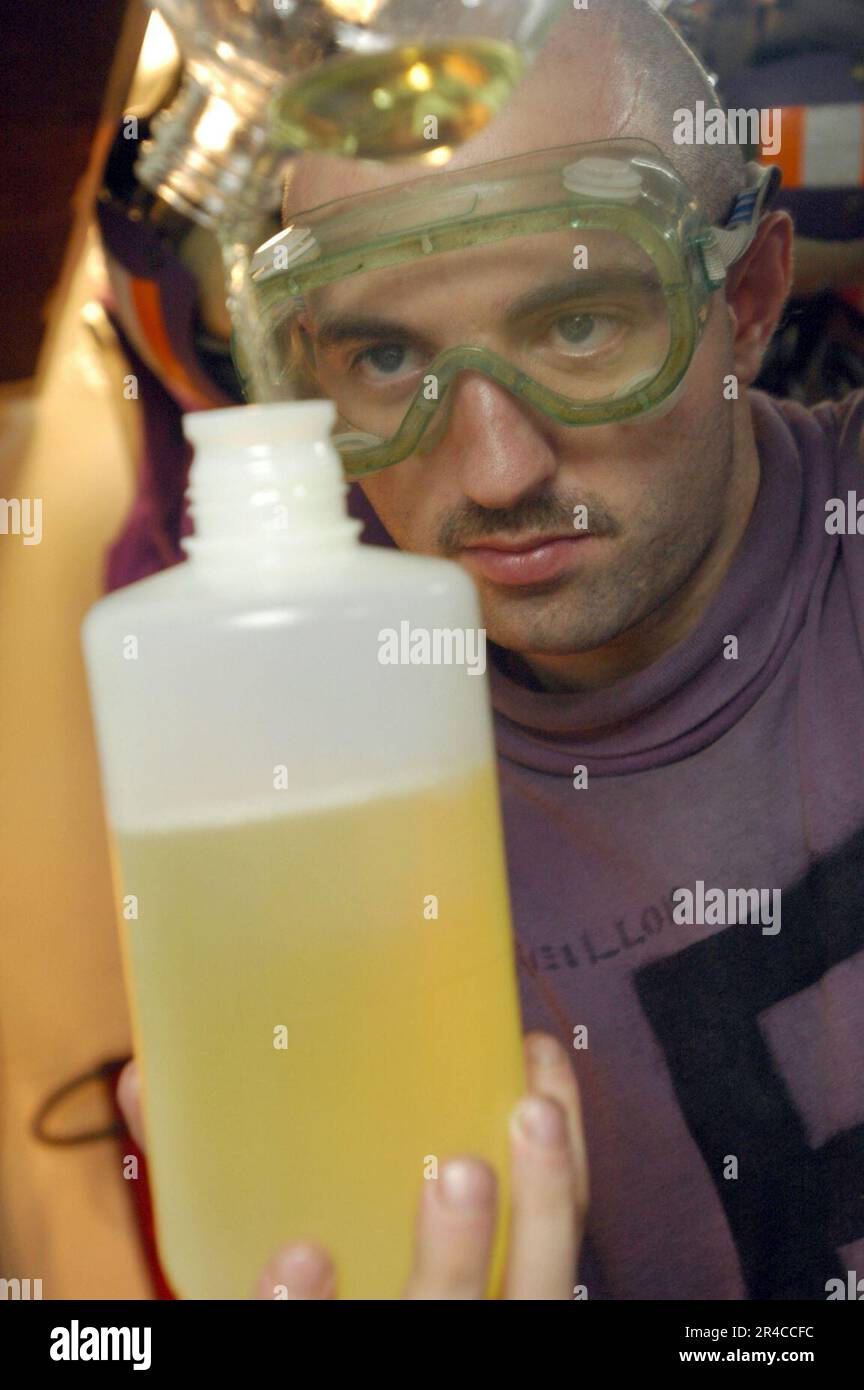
(519, 561)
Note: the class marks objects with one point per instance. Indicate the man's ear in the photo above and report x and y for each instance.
(756, 290)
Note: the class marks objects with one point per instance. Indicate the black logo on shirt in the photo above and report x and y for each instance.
(792, 1205)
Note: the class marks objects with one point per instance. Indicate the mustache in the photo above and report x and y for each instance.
(528, 517)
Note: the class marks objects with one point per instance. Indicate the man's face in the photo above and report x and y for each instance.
(658, 492)
(628, 512)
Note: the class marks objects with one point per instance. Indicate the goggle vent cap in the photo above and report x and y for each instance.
(599, 177)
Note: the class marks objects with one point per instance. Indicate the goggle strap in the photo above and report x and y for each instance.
(733, 239)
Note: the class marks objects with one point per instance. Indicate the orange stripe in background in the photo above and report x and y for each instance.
(790, 157)
(145, 297)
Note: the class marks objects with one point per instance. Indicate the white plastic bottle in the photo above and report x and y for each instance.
(309, 869)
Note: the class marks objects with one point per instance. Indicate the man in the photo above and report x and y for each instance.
(676, 634)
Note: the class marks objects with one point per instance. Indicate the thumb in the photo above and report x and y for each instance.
(129, 1100)
(300, 1271)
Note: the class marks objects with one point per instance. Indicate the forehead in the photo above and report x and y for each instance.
(489, 277)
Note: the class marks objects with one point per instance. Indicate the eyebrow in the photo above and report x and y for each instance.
(586, 282)
(339, 328)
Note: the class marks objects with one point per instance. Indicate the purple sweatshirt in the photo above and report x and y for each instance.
(720, 1060)
(723, 1076)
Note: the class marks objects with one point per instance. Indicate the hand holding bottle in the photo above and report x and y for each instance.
(456, 1211)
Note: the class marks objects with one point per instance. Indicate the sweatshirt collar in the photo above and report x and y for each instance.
(693, 693)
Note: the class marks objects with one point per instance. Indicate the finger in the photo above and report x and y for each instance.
(299, 1271)
(549, 1179)
(455, 1231)
(549, 1072)
(129, 1100)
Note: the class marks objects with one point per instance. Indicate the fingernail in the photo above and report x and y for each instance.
(543, 1051)
(304, 1270)
(463, 1184)
(128, 1077)
(542, 1121)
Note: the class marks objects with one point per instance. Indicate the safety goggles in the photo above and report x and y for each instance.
(578, 278)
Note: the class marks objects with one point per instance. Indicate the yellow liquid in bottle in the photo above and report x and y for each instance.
(402, 1032)
(376, 107)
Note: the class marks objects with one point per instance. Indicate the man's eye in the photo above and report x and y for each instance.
(584, 333)
(383, 360)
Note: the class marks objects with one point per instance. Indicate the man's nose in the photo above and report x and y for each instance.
(494, 443)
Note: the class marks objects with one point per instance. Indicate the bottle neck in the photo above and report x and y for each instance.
(211, 159)
(266, 482)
